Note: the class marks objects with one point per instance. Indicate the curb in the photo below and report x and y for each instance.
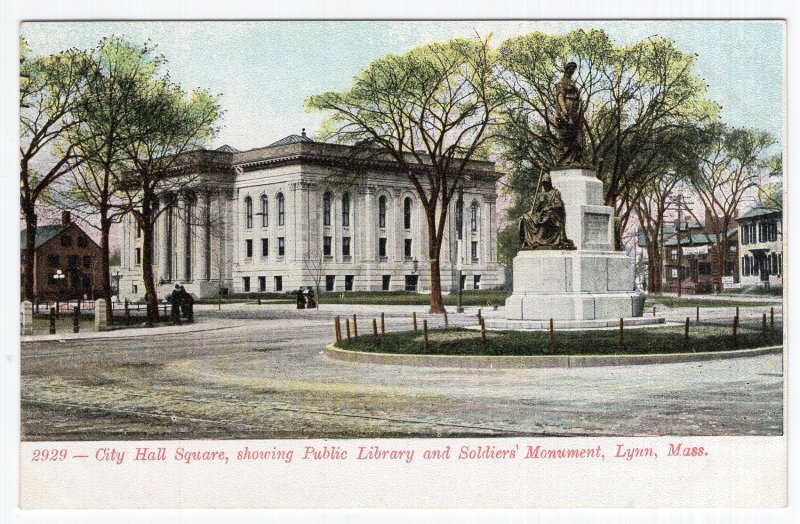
(546, 361)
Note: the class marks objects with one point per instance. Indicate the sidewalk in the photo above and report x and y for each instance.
(137, 332)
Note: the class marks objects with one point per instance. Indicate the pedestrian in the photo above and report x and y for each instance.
(311, 303)
(301, 300)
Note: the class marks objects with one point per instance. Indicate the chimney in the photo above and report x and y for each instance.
(66, 218)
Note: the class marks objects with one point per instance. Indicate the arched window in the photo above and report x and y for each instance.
(264, 211)
(459, 217)
(326, 209)
(407, 213)
(382, 211)
(473, 217)
(346, 209)
(281, 209)
(248, 212)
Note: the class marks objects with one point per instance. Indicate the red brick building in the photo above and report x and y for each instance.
(66, 262)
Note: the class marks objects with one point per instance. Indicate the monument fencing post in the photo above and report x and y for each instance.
(483, 336)
(735, 326)
(621, 333)
(355, 326)
(414, 320)
(52, 321)
(764, 324)
(347, 326)
(446, 322)
(697, 314)
(425, 336)
(772, 318)
(336, 327)
(27, 317)
(383, 324)
(552, 342)
(686, 335)
(375, 340)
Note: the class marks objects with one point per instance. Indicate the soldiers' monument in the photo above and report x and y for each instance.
(567, 268)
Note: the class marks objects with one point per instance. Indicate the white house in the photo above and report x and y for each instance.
(761, 247)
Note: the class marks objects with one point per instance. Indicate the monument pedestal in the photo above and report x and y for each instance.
(581, 286)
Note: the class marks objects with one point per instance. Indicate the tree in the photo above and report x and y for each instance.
(50, 88)
(770, 193)
(120, 69)
(730, 165)
(634, 97)
(429, 110)
(166, 127)
(651, 210)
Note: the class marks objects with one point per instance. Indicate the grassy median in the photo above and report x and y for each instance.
(640, 341)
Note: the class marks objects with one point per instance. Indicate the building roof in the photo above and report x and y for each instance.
(291, 139)
(227, 149)
(758, 211)
(43, 234)
(695, 238)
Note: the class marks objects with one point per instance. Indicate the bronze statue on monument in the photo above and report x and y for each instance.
(543, 226)
(569, 120)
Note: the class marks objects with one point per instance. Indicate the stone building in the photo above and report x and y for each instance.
(305, 213)
(761, 247)
(66, 261)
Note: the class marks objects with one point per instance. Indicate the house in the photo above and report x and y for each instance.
(761, 247)
(304, 213)
(67, 263)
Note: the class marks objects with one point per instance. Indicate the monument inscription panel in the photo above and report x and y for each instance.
(595, 228)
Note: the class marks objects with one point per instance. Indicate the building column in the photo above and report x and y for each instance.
(179, 256)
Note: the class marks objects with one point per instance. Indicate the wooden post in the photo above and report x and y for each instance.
(52, 321)
(425, 336)
(383, 324)
(259, 301)
(355, 326)
(480, 316)
(621, 333)
(347, 326)
(764, 324)
(483, 336)
(336, 333)
(654, 311)
(735, 326)
(737, 311)
(375, 340)
(686, 335)
(552, 342)
(772, 319)
(76, 319)
(697, 315)
(127, 310)
(414, 321)
(446, 322)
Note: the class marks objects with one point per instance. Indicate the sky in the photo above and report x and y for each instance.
(265, 70)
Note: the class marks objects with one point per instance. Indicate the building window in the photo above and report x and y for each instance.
(262, 284)
(327, 242)
(773, 231)
(134, 289)
(326, 209)
(673, 273)
(463, 282)
(52, 261)
(474, 250)
(346, 246)
(330, 282)
(753, 237)
(407, 213)
(382, 212)
(66, 241)
(459, 218)
(83, 241)
(745, 266)
(407, 249)
(248, 248)
(264, 211)
(476, 282)
(674, 254)
(87, 262)
(246, 284)
(264, 247)
(138, 256)
(73, 261)
(774, 258)
(382, 247)
(248, 212)
(473, 217)
(281, 209)
(281, 246)
(278, 281)
(703, 268)
(346, 210)
(411, 282)
(348, 282)
(386, 281)
(780, 263)
(754, 269)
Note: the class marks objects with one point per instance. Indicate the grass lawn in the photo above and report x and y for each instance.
(600, 342)
(694, 302)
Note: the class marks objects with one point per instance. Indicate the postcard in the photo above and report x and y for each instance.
(403, 264)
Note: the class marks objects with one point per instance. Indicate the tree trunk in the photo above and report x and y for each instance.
(434, 249)
(28, 292)
(436, 288)
(105, 253)
(151, 292)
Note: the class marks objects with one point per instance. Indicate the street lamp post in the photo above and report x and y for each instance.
(117, 277)
(59, 277)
